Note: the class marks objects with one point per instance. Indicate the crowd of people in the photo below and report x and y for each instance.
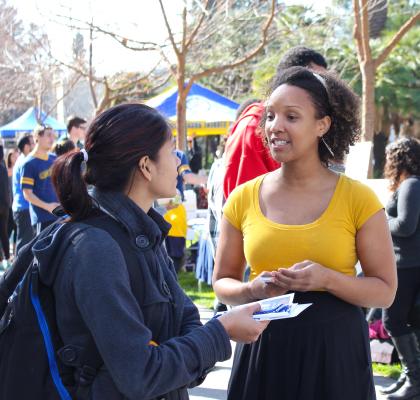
(28, 197)
(279, 209)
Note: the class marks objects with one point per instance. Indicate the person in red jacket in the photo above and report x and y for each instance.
(246, 155)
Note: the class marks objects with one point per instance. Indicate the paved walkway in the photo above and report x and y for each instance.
(214, 387)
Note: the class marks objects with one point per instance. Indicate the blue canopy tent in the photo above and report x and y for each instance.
(27, 122)
(208, 112)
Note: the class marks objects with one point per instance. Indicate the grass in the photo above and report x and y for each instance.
(388, 370)
(200, 293)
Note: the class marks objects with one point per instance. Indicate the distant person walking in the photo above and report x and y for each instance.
(36, 180)
(195, 154)
(20, 206)
(402, 168)
(176, 213)
(12, 156)
(5, 201)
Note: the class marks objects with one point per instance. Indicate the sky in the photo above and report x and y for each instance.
(138, 19)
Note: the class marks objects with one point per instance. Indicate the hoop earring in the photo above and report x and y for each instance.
(326, 145)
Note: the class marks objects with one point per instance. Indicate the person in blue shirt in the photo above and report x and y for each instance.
(175, 241)
(36, 180)
(185, 175)
(20, 206)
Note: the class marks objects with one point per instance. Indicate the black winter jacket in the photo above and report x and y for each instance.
(94, 296)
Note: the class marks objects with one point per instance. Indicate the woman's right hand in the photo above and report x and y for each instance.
(260, 289)
(239, 324)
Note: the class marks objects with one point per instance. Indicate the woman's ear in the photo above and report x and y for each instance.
(324, 125)
(145, 168)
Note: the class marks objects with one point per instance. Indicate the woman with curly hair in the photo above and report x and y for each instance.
(402, 168)
(306, 226)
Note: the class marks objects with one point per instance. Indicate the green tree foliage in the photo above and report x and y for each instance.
(398, 78)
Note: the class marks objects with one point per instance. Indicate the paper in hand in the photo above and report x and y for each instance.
(279, 307)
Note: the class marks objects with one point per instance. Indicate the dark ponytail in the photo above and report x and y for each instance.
(115, 142)
(70, 187)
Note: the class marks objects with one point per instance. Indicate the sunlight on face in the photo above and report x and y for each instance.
(166, 167)
(291, 129)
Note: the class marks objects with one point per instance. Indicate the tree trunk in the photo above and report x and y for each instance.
(181, 118)
(368, 101)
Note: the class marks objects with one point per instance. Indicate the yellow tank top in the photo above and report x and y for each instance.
(330, 240)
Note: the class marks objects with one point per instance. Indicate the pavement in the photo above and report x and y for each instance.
(215, 385)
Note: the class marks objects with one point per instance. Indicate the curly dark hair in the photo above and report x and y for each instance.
(402, 157)
(301, 56)
(330, 96)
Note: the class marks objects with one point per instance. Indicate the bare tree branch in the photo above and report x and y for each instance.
(168, 28)
(198, 25)
(357, 32)
(84, 25)
(90, 77)
(396, 39)
(184, 30)
(244, 59)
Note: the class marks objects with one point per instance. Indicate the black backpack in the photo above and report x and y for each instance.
(34, 364)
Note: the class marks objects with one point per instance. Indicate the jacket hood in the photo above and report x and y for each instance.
(50, 247)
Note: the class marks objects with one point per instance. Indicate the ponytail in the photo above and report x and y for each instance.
(70, 186)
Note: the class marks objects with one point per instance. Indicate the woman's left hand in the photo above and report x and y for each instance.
(304, 276)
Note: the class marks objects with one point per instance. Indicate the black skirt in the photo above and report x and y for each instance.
(322, 354)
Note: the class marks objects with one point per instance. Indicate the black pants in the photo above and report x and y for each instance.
(395, 318)
(24, 229)
(11, 227)
(4, 238)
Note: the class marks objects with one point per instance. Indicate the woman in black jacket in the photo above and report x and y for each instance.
(402, 168)
(147, 331)
(4, 211)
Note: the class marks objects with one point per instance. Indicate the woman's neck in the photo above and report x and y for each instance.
(138, 192)
(304, 173)
(144, 202)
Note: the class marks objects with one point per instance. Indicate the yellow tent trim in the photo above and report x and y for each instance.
(202, 128)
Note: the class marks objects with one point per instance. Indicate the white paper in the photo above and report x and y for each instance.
(295, 311)
(279, 307)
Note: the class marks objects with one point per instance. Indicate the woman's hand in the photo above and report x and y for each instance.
(304, 276)
(260, 289)
(239, 324)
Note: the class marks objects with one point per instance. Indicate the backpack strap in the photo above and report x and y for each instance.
(42, 322)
